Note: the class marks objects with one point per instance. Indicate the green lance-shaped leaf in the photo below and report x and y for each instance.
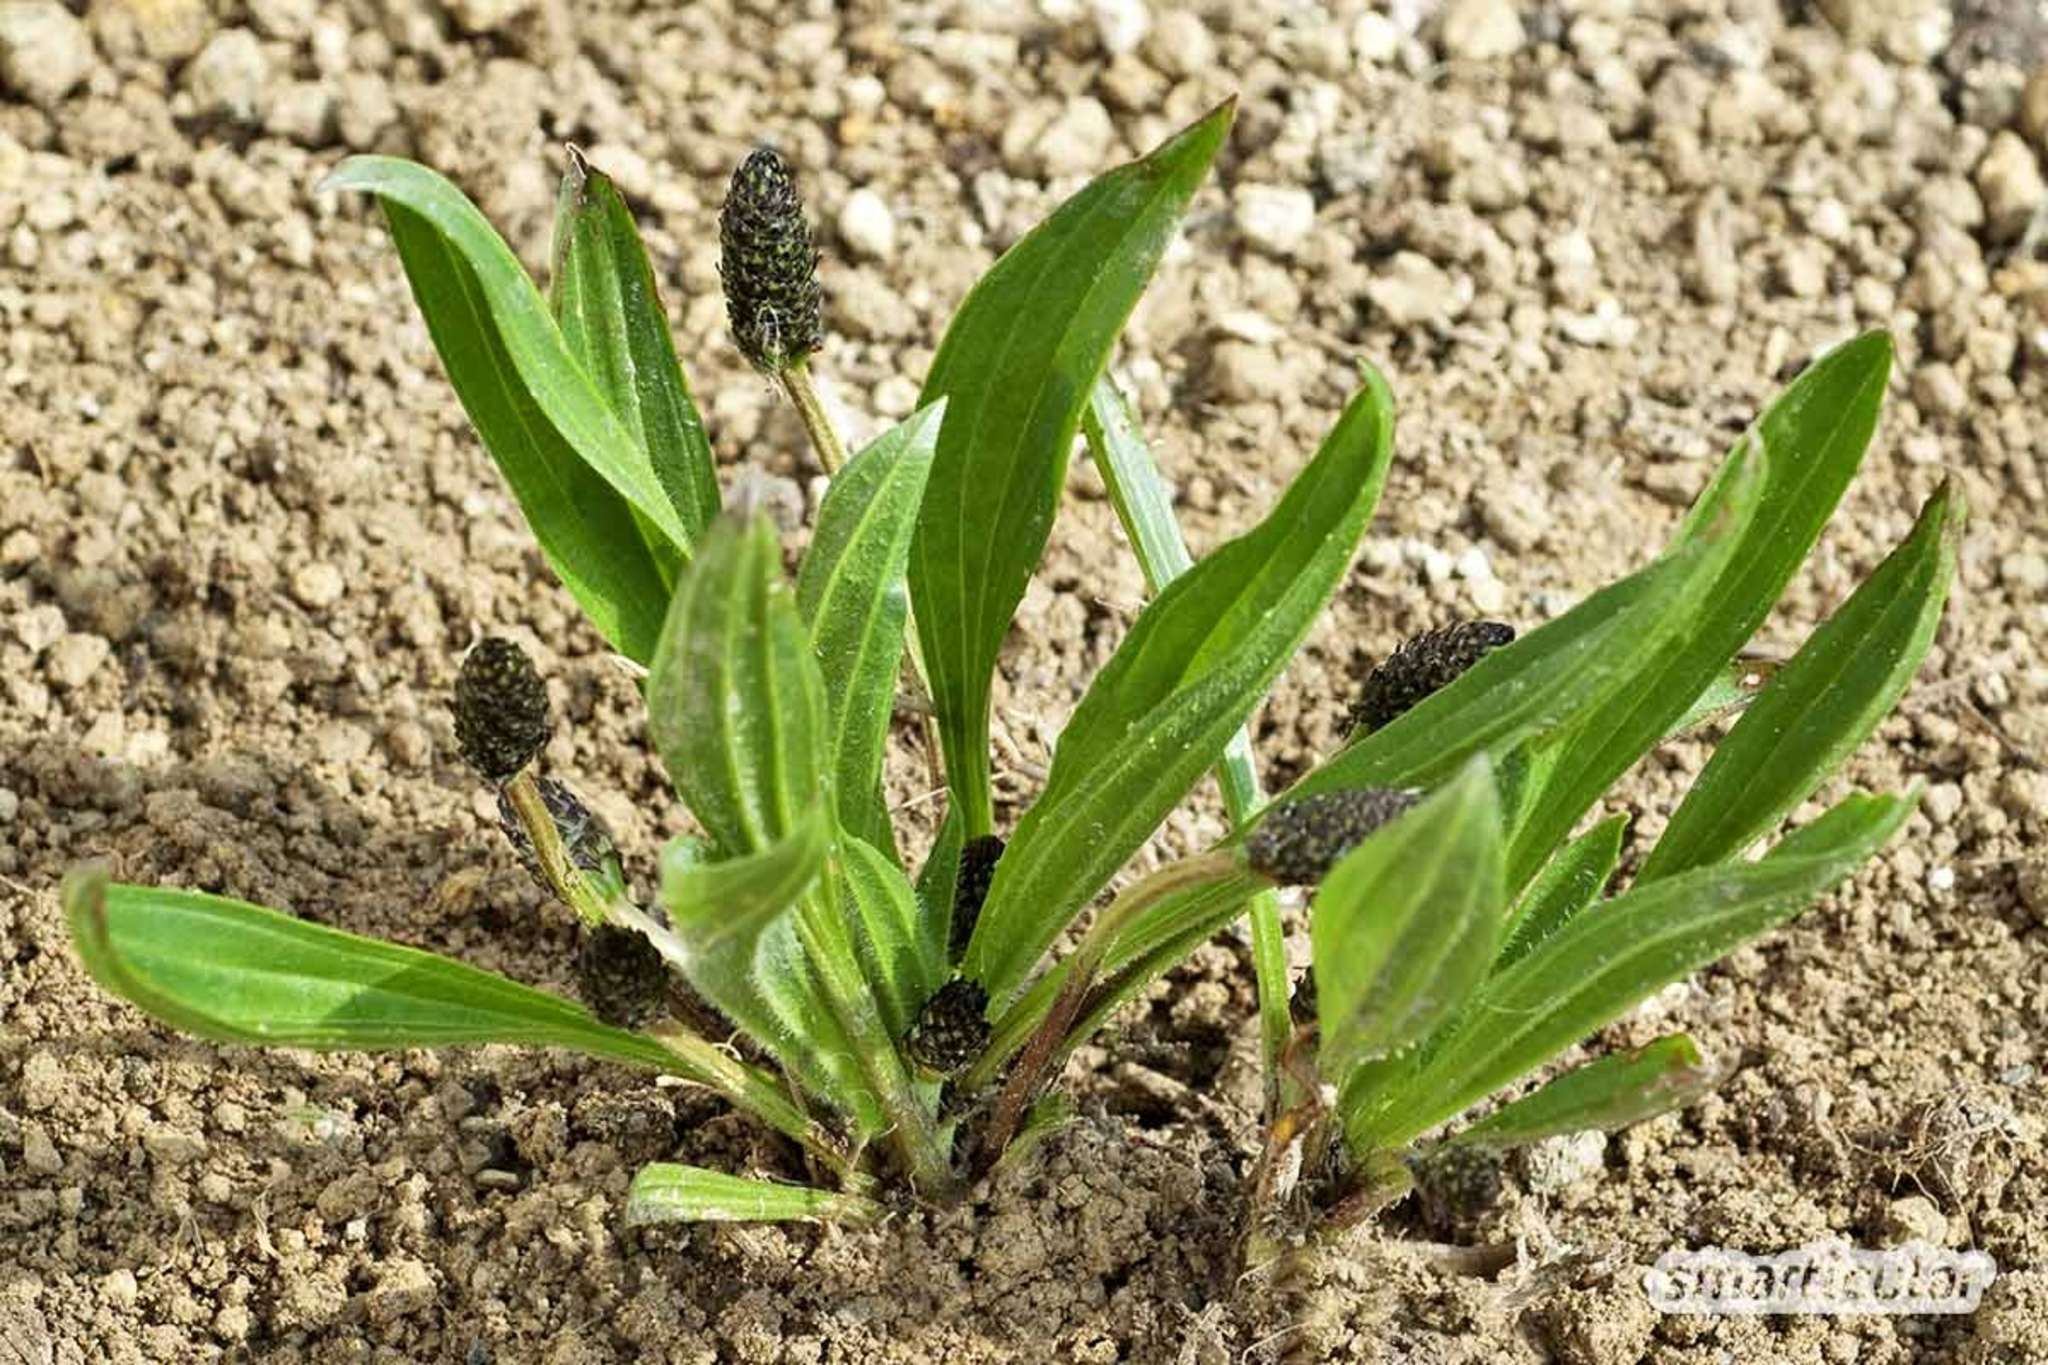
(1145, 508)
(1569, 883)
(1404, 925)
(1814, 435)
(239, 973)
(733, 934)
(1015, 367)
(1612, 1093)
(734, 701)
(1823, 702)
(1196, 661)
(587, 487)
(604, 299)
(850, 592)
(1601, 964)
(665, 1193)
(904, 964)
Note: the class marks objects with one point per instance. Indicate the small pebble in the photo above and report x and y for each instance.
(2009, 179)
(318, 585)
(1274, 218)
(44, 51)
(74, 659)
(866, 225)
(1481, 30)
(228, 76)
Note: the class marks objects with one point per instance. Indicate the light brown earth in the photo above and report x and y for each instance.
(245, 535)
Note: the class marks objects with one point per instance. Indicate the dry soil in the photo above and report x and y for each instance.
(245, 535)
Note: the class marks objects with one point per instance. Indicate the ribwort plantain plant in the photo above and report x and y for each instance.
(904, 1032)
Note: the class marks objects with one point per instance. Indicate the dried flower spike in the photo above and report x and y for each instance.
(585, 837)
(501, 709)
(978, 859)
(769, 265)
(1299, 841)
(1421, 665)
(950, 1030)
(620, 975)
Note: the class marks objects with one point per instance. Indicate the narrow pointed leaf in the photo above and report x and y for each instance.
(604, 299)
(585, 485)
(1814, 436)
(902, 963)
(239, 973)
(1015, 367)
(734, 700)
(665, 1193)
(851, 594)
(1568, 884)
(1404, 926)
(1822, 704)
(1196, 661)
(1602, 963)
(1609, 1094)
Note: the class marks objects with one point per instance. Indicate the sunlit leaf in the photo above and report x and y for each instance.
(1015, 367)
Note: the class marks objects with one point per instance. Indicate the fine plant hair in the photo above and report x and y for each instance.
(902, 1022)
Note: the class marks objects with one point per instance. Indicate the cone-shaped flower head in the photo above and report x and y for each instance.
(1299, 841)
(501, 709)
(1420, 666)
(978, 859)
(769, 265)
(950, 1030)
(620, 975)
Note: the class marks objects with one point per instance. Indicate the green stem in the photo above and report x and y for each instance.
(810, 409)
(1239, 780)
(570, 886)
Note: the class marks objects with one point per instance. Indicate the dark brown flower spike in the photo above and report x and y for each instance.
(620, 975)
(769, 265)
(1423, 664)
(501, 709)
(1298, 842)
(951, 1029)
(978, 859)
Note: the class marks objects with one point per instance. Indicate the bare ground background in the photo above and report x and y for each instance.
(245, 535)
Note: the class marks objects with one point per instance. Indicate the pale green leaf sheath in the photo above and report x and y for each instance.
(1196, 661)
(1015, 368)
(583, 481)
(604, 299)
(664, 1193)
